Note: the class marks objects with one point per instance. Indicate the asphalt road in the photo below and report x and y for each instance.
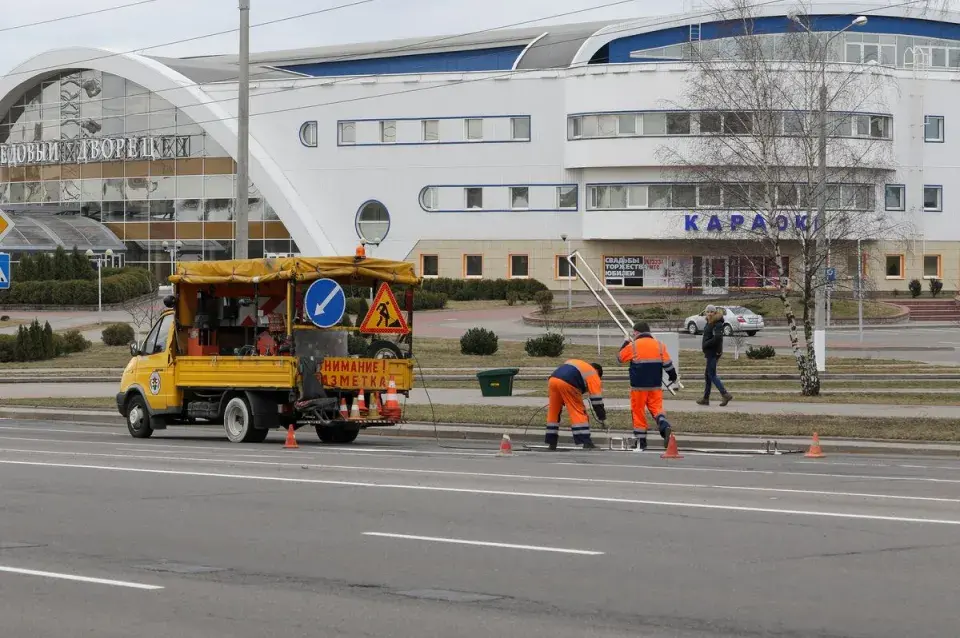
(187, 535)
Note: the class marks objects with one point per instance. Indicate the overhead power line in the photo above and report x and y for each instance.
(76, 15)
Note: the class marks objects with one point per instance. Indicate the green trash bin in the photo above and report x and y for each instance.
(497, 383)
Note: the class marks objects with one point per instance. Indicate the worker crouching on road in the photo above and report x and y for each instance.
(566, 387)
(648, 360)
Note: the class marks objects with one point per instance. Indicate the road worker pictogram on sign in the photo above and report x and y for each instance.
(384, 316)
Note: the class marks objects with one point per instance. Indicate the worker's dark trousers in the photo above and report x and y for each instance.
(710, 377)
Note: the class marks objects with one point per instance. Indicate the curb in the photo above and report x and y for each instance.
(534, 434)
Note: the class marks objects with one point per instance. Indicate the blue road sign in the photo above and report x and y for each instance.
(4, 271)
(325, 303)
(831, 274)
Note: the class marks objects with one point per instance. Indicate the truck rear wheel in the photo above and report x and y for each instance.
(138, 418)
(337, 434)
(238, 423)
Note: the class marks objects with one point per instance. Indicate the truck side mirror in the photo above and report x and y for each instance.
(134, 350)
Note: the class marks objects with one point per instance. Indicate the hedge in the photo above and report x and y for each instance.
(476, 289)
(60, 266)
(119, 285)
(36, 343)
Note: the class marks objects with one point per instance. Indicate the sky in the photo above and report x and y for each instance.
(158, 23)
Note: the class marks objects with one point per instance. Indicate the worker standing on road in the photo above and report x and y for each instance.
(712, 346)
(648, 360)
(566, 387)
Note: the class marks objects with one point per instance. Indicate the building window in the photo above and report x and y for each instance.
(473, 129)
(373, 222)
(431, 130)
(931, 266)
(519, 197)
(348, 132)
(308, 134)
(388, 131)
(933, 199)
(627, 124)
(519, 266)
(428, 198)
(473, 266)
(933, 128)
(430, 265)
(563, 269)
(894, 266)
(567, 197)
(894, 197)
(678, 124)
(520, 128)
(474, 197)
(574, 128)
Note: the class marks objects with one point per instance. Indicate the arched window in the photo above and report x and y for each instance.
(308, 134)
(373, 222)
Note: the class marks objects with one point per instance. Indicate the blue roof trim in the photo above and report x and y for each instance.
(620, 48)
(495, 59)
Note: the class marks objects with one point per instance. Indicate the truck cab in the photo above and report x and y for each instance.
(240, 345)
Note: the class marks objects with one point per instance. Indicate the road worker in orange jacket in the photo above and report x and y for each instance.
(566, 387)
(648, 359)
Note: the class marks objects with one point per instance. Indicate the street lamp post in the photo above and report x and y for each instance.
(566, 242)
(101, 259)
(174, 250)
(819, 333)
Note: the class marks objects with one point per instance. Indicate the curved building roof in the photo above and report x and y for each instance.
(44, 232)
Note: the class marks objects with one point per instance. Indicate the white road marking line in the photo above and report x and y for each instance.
(482, 492)
(527, 477)
(459, 541)
(28, 429)
(673, 468)
(79, 579)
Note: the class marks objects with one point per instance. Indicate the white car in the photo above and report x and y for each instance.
(735, 319)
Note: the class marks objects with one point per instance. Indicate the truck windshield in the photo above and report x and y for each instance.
(156, 341)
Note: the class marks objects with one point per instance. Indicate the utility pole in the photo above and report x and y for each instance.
(242, 221)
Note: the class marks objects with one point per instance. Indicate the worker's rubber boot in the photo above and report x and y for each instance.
(727, 398)
(588, 445)
(552, 441)
(703, 401)
(665, 430)
(641, 444)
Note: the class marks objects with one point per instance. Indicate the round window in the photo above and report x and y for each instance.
(373, 222)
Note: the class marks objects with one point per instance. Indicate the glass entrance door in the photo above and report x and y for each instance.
(716, 273)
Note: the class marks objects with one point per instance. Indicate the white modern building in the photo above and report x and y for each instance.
(471, 156)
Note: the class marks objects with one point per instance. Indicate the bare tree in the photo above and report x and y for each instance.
(144, 312)
(791, 154)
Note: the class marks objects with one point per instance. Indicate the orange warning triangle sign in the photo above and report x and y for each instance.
(384, 316)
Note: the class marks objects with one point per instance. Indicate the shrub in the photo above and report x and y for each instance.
(936, 286)
(429, 300)
(544, 300)
(49, 345)
(915, 288)
(512, 297)
(8, 348)
(356, 344)
(548, 345)
(479, 341)
(5, 318)
(763, 352)
(118, 334)
(358, 306)
(345, 322)
(70, 342)
(650, 312)
(480, 289)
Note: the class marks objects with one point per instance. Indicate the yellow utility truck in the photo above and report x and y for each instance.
(257, 344)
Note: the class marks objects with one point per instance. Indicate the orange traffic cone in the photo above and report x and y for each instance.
(291, 443)
(355, 411)
(392, 407)
(815, 452)
(362, 403)
(376, 396)
(344, 414)
(671, 452)
(506, 447)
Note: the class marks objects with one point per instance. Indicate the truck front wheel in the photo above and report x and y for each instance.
(238, 423)
(337, 434)
(138, 418)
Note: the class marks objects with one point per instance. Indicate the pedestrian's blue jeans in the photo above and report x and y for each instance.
(710, 377)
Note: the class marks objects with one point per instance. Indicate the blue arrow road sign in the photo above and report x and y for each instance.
(831, 274)
(325, 303)
(4, 271)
